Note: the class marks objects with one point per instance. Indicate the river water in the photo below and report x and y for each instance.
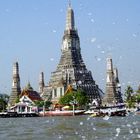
(71, 128)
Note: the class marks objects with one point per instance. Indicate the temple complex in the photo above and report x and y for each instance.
(71, 69)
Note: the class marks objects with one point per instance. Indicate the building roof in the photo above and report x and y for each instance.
(33, 95)
(69, 89)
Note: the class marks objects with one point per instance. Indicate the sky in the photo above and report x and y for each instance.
(31, 33)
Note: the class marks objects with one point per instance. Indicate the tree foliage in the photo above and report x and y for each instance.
(131, 98)
(42, 103)
(3, 101)
(78, 98)
(81, 97)
(3, 105)
(128, 93)
(17, 100)
(66, 99)
(48, 104)
(138, 90)
(39, 103)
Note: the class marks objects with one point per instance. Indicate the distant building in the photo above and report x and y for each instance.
(113, 88)
(71, 68)
(16, 90)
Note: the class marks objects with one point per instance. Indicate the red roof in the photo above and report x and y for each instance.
(33, 95)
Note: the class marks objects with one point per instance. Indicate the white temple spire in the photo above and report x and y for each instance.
(41, 82)
(16, 90)
(70, 18)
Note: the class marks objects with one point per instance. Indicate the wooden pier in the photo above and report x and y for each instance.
(16, 115)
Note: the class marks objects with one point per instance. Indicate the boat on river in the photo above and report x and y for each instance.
(137, 111)
(116, 110)
(61, 113)
(113, 111)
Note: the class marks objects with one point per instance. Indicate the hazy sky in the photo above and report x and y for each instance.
(31, 32)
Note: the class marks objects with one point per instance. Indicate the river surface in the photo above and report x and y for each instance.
(71, 128)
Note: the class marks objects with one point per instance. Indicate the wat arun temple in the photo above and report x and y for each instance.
(71, 74)
(71, 69)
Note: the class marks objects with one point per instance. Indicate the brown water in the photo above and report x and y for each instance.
(71, 128)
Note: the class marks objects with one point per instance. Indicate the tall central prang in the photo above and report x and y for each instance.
(71, 69)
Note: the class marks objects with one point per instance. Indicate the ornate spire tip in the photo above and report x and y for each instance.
(69, 3)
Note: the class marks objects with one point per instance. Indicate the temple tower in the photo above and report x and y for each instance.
(71, 69)
(116, 78)
(118, 86)
(16, 90)
(110, 84)
(41, 82)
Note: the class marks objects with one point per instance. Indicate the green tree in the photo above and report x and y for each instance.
(42, 103)
(138, 97)
(3, 105)
(66, 99)
(4, 98)
(128, 93)
(81, 98)
(130, 98)
(78, 97)
(39, 103)
(47, 104)
(138, 91)
(17, 100)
